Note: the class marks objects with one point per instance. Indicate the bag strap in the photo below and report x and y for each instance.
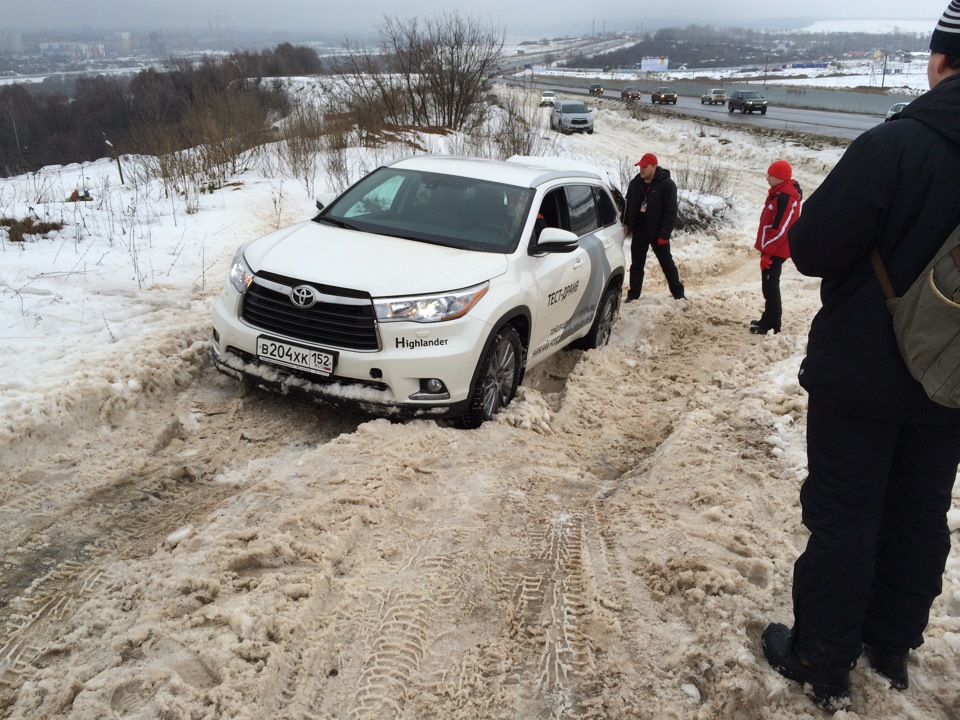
(880, 270)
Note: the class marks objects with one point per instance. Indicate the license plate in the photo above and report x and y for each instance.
(321, 362)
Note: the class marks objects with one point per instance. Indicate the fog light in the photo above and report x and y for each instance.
(434, 385)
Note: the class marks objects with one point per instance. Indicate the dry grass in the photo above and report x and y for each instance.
(17, 229)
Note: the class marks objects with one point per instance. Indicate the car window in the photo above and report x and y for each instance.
(605, 207)
(583, 212)
(751, 95)
(576, 107)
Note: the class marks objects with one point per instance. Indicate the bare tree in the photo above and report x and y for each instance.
(426, 73)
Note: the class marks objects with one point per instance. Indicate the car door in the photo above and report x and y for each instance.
(561, 281)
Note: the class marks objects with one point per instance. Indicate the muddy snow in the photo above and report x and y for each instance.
(176, 545)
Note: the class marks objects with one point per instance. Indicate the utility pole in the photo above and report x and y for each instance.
(883, 76)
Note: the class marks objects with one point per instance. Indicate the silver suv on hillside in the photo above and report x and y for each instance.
(570, 116)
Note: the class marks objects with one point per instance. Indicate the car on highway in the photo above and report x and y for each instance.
(570, 116)
(596, 89)
(630, 92)
(895, 109)
(716, 96)
(427, 288)
(547, 98)
(747, 101)
(664, 95)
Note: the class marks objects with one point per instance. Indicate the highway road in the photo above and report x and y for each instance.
(815, 122)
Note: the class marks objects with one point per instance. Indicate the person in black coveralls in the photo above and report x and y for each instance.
(651, 213)
(882, 457)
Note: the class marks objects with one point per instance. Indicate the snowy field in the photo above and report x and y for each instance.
(178, 546)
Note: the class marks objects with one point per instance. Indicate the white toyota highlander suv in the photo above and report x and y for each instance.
(428, 287)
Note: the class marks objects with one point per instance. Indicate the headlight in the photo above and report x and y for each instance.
(240, 273)
(430, 308)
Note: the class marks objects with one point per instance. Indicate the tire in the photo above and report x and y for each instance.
(743, 109)
(704, 102)
(497, 378)
(763, 112)
(730, 108)
(590, 131)
(603, 321)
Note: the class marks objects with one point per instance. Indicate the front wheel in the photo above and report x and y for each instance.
(497, 379)
(729, 108)
(603, 321)
(763, 112)
(743, 109)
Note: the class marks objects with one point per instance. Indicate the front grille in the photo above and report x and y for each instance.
(267, 306)
(578, 122)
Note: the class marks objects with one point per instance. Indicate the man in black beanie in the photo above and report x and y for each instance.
(881, 456)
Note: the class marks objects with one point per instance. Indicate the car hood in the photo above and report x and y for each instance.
(383, 266)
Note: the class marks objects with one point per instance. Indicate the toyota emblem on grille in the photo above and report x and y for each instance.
(303, 296)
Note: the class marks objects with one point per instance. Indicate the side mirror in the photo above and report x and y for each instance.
(324, 199)
(555, 240)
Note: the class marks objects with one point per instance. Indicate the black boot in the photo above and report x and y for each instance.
(831, 685)
(761, 328)
(891, 663)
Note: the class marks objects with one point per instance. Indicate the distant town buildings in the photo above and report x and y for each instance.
(75, 50)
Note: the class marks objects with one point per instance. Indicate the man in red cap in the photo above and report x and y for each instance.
(881, 455)
(651, 213)
(780, 211)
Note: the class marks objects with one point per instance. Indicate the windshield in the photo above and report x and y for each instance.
(751, 95)
(430, 207)
(576, 107)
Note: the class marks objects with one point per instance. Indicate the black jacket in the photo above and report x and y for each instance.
(897, 187)
(661, 213)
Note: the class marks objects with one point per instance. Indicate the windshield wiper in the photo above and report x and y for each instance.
(339, 223)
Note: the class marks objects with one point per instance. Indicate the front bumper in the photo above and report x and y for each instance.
(385, 382)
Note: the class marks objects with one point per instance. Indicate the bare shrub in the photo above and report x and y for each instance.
(519, 130)
(704, 199)
(302, 144)
(334, 155)
(707, 177)
(429, 73)
(626, 169)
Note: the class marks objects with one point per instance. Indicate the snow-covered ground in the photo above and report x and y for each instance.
(176, 545)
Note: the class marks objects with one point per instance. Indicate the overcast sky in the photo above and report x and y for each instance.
(532, 19)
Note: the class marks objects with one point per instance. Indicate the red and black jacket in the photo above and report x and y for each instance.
(780, 212)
